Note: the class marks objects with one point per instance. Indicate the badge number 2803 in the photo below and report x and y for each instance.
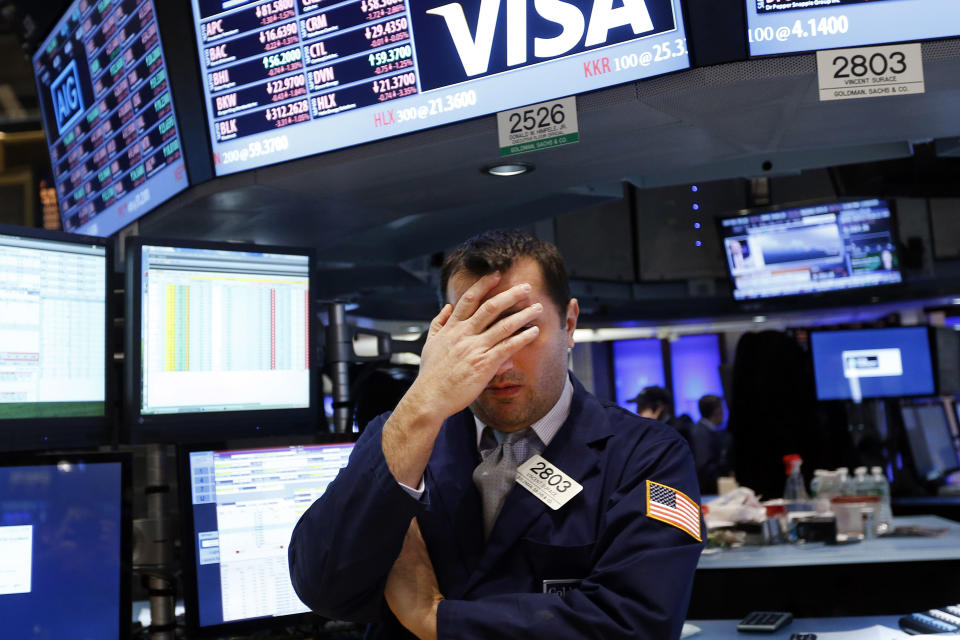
(548, 483)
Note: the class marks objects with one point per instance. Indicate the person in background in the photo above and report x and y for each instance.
(709, 443)
(653, 402)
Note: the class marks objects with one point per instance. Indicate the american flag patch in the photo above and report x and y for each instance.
(673, 507)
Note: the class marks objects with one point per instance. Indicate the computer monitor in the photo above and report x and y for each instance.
(218, 341)
(65, 547)
(813, 249)
(239, 510)
(872, 363)
(931, 442)
(109, 115)
(54, 341)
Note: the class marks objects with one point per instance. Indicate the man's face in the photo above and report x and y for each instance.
(530, 382)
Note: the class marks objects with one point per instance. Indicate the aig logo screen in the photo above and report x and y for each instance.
(468, 39)
(67, 97)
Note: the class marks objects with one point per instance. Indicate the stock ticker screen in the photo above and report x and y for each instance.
(285, 79)
(108, 114)
(790, 26)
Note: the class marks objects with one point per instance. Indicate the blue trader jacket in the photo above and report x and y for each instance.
(635, 572)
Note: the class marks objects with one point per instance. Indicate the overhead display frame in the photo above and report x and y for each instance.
(793, 26)
(108, 115)
(285, 79)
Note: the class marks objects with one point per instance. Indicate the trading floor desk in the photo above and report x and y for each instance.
(874, 577)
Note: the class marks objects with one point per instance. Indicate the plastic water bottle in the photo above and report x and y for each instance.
(882, 488)
(844, 485)
(862, 486)
(794, 490)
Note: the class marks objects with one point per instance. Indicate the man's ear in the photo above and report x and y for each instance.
(573, 312)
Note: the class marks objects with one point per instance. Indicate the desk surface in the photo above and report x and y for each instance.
(727, 629)
(887, 549)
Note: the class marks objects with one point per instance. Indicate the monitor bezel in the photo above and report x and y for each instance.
(930, 401)
(827, 297)
(188, 539)
(932, 352)
(26, 459)
(139, 428)
(76, 431)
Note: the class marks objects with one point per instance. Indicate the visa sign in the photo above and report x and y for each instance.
(67, 97)
(469, 39)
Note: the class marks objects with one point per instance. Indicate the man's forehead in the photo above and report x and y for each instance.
(524, 269)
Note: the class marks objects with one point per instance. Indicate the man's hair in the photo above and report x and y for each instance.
(708, 404)
(652, 397)
(498, 250)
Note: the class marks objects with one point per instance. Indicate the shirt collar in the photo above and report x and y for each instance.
(547, 426)
(708, 424)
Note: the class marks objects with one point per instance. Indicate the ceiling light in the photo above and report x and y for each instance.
(506, 169)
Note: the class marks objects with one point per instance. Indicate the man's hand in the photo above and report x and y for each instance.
(412, 591)
(467, 345)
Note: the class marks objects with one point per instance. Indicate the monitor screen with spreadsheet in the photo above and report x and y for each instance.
(240, 507)
(53, 339)
(220, 334)
(64, 547)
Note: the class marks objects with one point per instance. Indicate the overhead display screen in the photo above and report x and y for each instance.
(812, 249)
(789, 26)
(109, 115)
(285, 79)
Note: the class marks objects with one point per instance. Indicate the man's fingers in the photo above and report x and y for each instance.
(499, 305)
(441, 318)
(507, 348)
(512, 324)
(470, 300)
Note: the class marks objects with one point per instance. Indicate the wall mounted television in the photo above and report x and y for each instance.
(873, 363)
(812, 249)
(109, 115)
(239, 509)
(55, 389)
(218, 341)
(292, 78)
(65, 554)
(790, 26)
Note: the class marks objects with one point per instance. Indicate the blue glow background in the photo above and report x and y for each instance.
(636, 364)
(695, 362)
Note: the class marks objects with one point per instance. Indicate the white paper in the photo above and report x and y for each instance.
(16, 558)
(876, 632)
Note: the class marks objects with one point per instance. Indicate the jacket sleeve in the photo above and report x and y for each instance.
(345, 543)
(640, 583)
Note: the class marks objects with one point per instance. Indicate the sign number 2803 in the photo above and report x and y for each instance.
(878, 64)
(541, 470)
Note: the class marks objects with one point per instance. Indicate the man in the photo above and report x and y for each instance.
(653, 402)
(412, 537)
(709, 445)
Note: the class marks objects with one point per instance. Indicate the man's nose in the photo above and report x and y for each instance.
(505, 366)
